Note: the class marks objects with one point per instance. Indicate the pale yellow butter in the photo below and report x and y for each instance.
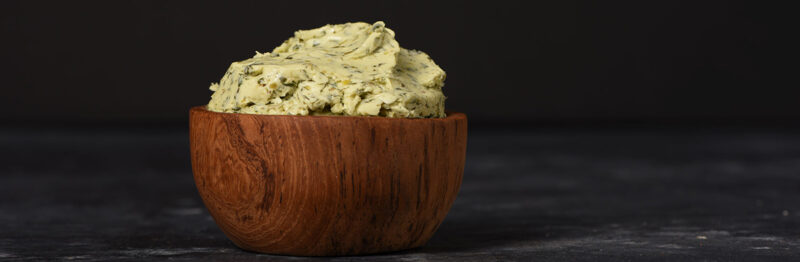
(346, 69)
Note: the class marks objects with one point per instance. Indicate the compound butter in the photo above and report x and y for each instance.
(353, 69)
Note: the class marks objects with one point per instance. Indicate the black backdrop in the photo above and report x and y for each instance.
(134, 61)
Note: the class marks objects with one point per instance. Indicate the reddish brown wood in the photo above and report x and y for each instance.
(327, 185)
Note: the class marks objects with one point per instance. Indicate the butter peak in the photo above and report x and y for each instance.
(344, 69)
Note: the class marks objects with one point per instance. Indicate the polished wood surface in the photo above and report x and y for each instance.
(327, 185)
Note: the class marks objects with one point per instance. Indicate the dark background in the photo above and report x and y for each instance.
(599, 130)
(101, 62)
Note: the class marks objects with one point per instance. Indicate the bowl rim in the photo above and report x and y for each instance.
(451, 115)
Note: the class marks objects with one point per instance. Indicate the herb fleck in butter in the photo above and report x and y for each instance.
(346, 69)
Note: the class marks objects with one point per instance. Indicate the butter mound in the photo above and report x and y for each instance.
(354, 69)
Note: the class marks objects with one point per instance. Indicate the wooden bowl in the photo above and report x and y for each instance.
(327, 185)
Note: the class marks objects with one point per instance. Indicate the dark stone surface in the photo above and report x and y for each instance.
(536, 195)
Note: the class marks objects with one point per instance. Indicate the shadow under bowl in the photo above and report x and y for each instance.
(327, 185)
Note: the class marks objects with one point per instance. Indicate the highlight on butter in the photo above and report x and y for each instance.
(355, 69)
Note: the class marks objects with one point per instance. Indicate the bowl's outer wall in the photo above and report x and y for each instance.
(320, 186)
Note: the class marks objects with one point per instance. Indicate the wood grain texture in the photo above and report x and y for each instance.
(323, 186)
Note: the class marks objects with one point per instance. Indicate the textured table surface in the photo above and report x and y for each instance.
(536, 195)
